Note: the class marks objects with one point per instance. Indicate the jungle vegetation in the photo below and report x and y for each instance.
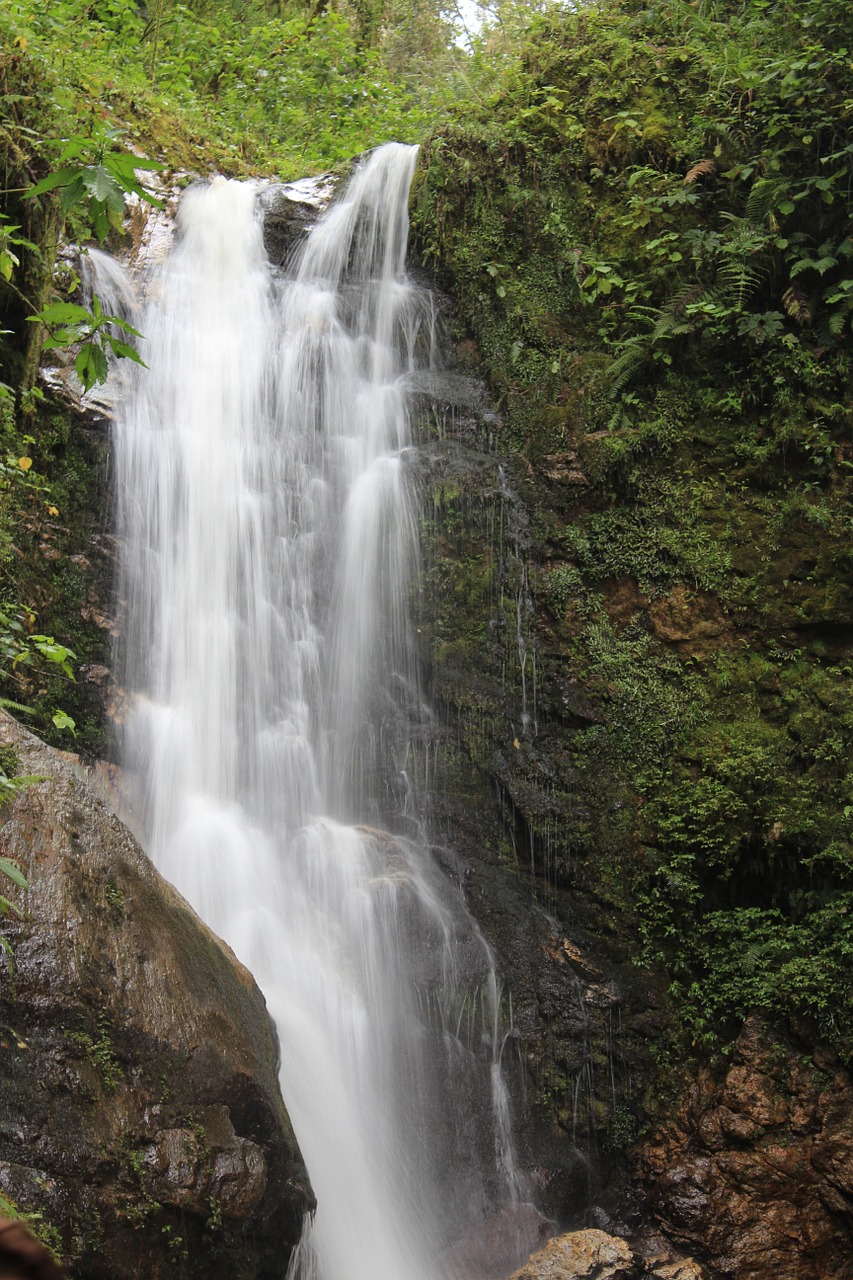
(643, 211)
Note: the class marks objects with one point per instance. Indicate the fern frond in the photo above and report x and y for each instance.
(836, 323)
(743, 236)
(635, 352)
(700, 170)
(796, 305)
(740, 280)
(765, 196)
(8, 705)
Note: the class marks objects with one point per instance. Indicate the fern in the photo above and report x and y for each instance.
(797, 305)
(635, 353)
(836, 323)
(740, 279)
(8, 704)
(701, 170)
(765, 197)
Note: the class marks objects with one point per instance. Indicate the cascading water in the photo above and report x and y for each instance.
(268, 545)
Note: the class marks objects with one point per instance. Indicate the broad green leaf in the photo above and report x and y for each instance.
(59, 178)
(73, 147)
(72, 193)
(125, 351)
(67, 337)
(98, 181)
(63, 721)
(100, 224)
(132, 186)
(123, 325)
(91, 365)
(124, 164)
(13, 871)
(63, 313)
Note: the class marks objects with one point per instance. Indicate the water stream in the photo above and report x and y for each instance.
(269, 545)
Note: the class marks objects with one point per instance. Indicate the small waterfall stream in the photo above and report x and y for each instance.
(269, 543)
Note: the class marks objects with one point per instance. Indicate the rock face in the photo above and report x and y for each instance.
(757, 1167)
(289, 211)
(583, 1016)
(140, 1113)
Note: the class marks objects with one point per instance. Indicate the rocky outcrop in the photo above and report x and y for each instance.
(757, 1167)
(140, 1113)
(289, 210)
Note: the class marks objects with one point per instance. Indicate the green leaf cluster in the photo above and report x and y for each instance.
(70, 325)
(277, 88)
(100, 179)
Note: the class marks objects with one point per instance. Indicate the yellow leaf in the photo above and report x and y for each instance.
(52, 511)
(22, 42)
(25, 463)
(516, 743)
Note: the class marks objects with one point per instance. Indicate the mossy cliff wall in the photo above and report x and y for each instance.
(637, 598)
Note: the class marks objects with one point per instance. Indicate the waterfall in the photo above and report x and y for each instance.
(269, 543)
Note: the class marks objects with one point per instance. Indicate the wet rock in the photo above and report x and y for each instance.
(692, 620)
(289, 210)
(139, 1105)
(563, 468)
(757, 1167)
(496, 1246)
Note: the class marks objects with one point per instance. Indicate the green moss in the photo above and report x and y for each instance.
(100, 1052)
(35, 1223)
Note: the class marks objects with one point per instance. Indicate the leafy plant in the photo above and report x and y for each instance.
(70, 324)
(9, 242)
(100, 181)
(10, 868)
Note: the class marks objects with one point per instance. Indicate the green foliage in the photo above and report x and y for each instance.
(673, 175)
(62, 720)
(748, 958)
(280, 88)
(92, 332)
(100, 179)
(9, 260)
(34, 1222)
(100, 1052)
(644, 215)
(10, 869)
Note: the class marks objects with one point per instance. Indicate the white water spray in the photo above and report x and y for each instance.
(268, 545)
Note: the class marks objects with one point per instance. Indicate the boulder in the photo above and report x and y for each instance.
(582, 1255)
(597, 1255)
(140, 1112)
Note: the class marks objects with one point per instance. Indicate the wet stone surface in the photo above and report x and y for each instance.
(139, 1106)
